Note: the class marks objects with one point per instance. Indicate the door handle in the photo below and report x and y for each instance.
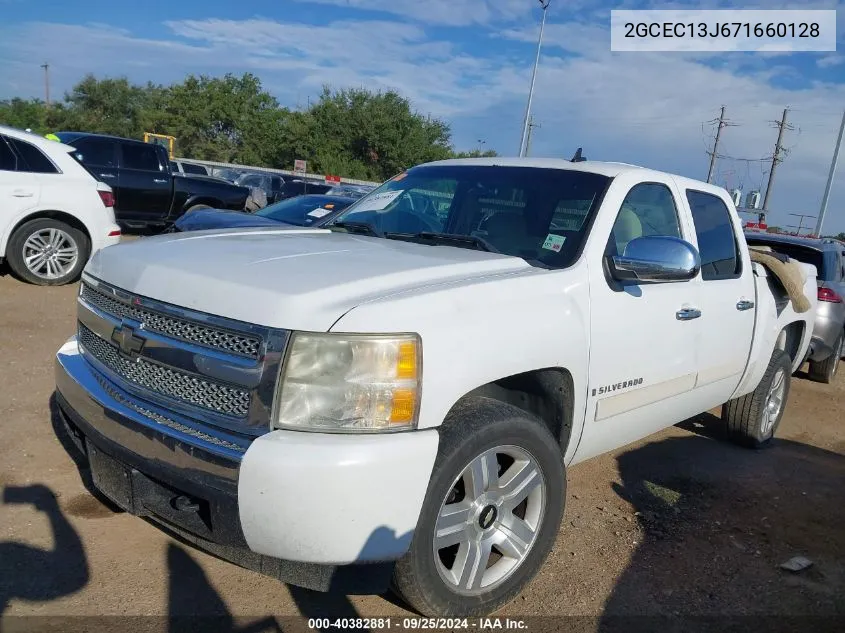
(744, 305)
(160, 180)
(687, 314)
(22, 193)
(107, 175)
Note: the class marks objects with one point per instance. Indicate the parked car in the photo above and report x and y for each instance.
(828, 344)
(181, 167)
(299, 187)
(147, 194)
(271, 184)
(53, 213)
(403, 402)
(310, 211)
(353, 191)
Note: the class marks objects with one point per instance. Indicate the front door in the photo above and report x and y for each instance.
(727, 297)
(642, 343)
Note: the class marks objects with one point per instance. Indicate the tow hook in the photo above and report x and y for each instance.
(185, 504)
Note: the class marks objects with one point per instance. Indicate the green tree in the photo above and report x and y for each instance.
(353, 133)
(476, 153)
(228, 119)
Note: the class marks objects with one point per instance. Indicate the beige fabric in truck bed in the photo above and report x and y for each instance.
(790, 275)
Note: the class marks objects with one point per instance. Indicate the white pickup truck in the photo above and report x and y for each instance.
(394, 399)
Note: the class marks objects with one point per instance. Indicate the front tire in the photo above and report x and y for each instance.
(753, 418)
(491, 513)
(48, 252)
(825, 370)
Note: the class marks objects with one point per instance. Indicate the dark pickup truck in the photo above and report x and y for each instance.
(147, 194)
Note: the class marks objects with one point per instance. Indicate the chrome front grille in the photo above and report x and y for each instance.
(165, 381)
(183, 329)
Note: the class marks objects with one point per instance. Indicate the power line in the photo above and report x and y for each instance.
(722, 123)
(800, 225)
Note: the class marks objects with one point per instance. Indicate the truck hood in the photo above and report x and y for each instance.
(303, 279)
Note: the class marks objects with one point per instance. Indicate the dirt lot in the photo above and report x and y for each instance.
(680, 524)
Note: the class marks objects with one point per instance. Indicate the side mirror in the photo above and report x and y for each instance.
(656, 258)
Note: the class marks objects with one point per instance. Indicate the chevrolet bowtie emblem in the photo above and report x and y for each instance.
(127, 341)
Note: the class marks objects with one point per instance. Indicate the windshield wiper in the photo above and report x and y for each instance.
(476, 242)
(358, 227)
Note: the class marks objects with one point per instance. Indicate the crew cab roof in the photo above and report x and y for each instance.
(609, 169)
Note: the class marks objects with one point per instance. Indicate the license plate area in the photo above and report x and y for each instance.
(111, 478)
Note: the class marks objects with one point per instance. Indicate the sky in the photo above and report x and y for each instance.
(469, 62)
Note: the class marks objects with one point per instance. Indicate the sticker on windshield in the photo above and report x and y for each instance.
(319, 212)
(378, 201)
(554, 242)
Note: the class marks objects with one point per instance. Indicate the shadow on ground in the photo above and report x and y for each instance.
(717, 522)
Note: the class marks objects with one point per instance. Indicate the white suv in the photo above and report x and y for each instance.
(53, 214)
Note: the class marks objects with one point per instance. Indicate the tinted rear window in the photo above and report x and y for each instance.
(94, 151)
(795, 251)
(8, 160)
(193, 169)
(33, 158)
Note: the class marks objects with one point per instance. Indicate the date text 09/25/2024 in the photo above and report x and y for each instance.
(447, 624)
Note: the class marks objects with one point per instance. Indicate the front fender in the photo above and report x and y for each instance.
(478, 331)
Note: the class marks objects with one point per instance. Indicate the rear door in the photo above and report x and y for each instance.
(145, 182)
(19, 188)
(726, 297)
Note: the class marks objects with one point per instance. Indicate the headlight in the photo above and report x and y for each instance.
(350, 383)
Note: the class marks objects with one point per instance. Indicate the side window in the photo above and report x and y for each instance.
(32, 158)
(8, 160)
(140, 156)
(716, 237)
(648, 209)
(95, 151)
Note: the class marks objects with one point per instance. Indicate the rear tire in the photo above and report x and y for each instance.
(825, 370)
(753, 419)
(48, 252)
(496, 497)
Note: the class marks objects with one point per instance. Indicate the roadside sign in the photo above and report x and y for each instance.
(332, 180)
(299, 166)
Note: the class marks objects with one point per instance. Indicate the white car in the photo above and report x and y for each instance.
(400, 393)
(53, 214)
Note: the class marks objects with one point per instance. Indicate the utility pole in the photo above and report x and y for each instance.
(531, 126)
(775, 160)
(524, 139)
(716, 144)
(46, 68)
(830, 175)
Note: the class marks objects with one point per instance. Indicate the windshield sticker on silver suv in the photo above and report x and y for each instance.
(554, 242)
(378, 201)
(319, 212)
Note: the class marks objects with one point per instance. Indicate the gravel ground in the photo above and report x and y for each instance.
(679, 524)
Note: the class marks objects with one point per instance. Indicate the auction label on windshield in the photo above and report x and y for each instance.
(554, 242)
(723, 30)
(378, 201)
(319, 212)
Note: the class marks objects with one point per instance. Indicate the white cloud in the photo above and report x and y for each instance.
(829, 61)
(443, 12)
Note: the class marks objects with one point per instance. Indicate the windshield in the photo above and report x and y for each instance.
(303, 210)
(541, 215)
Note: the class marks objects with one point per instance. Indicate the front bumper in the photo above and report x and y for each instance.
(294, 505)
